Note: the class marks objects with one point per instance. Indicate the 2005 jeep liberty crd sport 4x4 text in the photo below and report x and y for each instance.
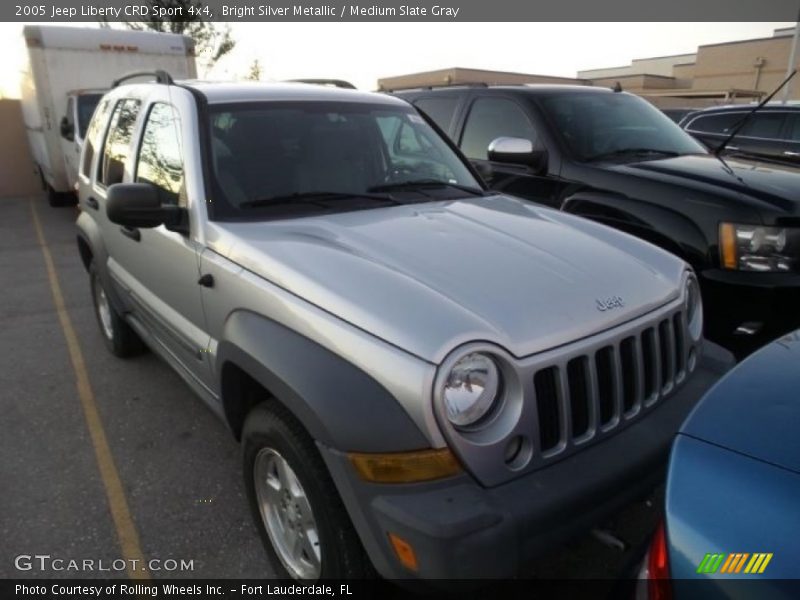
(427, 378)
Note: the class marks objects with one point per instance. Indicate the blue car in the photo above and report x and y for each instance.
(732, 521)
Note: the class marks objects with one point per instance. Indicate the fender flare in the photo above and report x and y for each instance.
(645, 220)
(338, 404)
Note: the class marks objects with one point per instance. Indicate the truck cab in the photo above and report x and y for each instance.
(73, 125)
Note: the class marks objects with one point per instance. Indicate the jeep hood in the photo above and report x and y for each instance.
(764, 183)
(429, 277)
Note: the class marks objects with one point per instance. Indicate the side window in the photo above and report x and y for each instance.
(118, 141)
(70, 114)
(491, 118)
(793, 128)
(721, 123)
(441, 109)
(160, 160)
(93, 137)
(764, 125)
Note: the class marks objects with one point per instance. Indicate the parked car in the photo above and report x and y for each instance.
(68, 71)
(772, 133)
(732, 489)
(425, 376)
(615, 158)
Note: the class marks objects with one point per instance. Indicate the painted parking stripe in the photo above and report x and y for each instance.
(120, 512)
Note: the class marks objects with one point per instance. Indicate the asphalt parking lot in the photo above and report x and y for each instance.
(111, 458)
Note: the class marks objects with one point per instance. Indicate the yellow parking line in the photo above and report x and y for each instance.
(120, 513)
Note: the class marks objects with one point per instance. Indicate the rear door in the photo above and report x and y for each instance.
(157, 270)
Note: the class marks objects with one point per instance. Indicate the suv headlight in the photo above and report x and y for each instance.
(758, 248)
(694, 308)
(471, 389)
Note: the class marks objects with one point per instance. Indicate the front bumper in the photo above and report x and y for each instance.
(768, 301)
(461, 530)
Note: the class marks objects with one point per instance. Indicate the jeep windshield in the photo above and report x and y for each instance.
(615, 127)
(273, 160)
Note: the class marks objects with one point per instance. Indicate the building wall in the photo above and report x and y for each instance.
(733, 65)
(18, 175)
(660, 65)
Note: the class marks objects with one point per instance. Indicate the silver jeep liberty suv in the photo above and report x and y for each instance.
(428, 379)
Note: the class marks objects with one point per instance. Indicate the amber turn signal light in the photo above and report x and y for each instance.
(405, 553)
(727, 239)
(405, 467)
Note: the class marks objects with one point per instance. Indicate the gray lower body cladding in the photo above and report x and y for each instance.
(461, 530)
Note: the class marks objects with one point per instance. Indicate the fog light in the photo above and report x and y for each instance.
(405, 553)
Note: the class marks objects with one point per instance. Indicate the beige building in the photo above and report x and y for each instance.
(739, 71)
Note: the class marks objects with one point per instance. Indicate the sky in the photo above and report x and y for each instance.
(363, 52)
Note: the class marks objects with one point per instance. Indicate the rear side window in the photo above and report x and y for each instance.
(160, 160)
(118, 141)
(491, 118)
(440, 109)
(764, 125)
(721, 123)
(94, 137)
(793, 128)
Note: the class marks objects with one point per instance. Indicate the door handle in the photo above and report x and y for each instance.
(92, 203)
(132, 233)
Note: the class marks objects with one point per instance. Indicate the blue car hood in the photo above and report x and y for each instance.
(755, 410)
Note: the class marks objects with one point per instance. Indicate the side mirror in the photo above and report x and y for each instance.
(139, 205)
(517, 151)
(67, 129)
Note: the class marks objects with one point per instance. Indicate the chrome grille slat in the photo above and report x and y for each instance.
(611, 383)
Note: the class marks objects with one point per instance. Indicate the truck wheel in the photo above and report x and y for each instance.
(302, 521)
(118, 336)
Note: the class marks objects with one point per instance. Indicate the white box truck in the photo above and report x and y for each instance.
(68, 71)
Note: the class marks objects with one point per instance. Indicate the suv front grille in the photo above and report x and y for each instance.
(589, 395)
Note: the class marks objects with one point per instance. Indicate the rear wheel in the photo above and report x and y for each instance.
(118, 336)
(303, 523)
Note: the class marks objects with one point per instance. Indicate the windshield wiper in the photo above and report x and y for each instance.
(425, 183)
(316, 198)
(637, 152)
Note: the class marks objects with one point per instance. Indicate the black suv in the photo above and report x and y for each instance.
(614, 158)
(772, 133)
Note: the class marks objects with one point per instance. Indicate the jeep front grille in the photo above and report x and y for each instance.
(588, 395)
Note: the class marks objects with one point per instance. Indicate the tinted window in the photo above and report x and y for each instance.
(440, 109)
(118, 140)
(93, 137)
(70, 110)
(265, 153)
(721, 123)
(160, 159)
(764, 125)
(491, 118)
(793, 128)
(86, 105)
(599, 125)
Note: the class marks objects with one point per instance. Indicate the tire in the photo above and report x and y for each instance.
(271, 435)
(118, 336)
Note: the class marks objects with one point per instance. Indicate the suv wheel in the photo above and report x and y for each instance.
(118, 336)
(302, 521)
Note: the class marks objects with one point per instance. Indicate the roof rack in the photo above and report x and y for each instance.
(480, 84)
(160, 75)
(340, 83)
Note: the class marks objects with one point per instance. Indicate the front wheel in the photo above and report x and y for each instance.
(303, 523)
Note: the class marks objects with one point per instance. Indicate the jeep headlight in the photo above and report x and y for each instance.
(694, 308)
(758, 248)
(471, 389)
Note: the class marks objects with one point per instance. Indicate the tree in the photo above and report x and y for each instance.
(255, 71)
(212, 41)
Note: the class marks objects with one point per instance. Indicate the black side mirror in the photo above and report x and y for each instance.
(517, 151)
(139, 205)
(67, 130)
